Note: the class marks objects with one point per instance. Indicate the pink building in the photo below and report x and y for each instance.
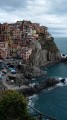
(17, 34)
(25, 53)
(4, 52)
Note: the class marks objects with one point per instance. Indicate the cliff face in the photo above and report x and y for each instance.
(48, 52)
(38, 57)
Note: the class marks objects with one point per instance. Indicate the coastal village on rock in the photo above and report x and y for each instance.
(25, 46)
(17, 39)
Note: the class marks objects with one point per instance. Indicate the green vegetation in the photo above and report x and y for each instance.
(48, 45)
(13, 106)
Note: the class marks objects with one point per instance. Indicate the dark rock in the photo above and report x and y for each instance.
(50, 82)
(63, 80)
(28, 76)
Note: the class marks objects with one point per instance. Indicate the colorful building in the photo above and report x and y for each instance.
(25, 53)
(4, 52)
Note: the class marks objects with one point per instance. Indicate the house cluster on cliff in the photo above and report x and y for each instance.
(17, 39)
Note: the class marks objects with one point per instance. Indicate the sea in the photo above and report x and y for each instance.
(53, 101)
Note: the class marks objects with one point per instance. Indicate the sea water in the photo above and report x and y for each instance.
(53, 102)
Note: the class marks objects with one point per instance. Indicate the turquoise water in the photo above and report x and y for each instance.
(62, 44)
(54, 102)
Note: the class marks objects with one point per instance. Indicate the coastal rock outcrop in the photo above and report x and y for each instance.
(50, 82)
(30, 71)
(48, 52)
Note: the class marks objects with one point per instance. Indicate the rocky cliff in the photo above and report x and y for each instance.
(46, 53)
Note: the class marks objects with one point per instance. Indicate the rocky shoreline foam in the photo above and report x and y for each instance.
(44, 85)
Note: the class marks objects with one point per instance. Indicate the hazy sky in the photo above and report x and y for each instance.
(51, 13)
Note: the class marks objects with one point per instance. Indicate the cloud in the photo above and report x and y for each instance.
(58, 7)
(58, 32)
(12, 4)
(51, 13)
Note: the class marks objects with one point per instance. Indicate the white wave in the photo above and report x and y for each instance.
(33, 78)
(50, 88)
(60, 78)
(31, 84)
(60, 84)
(66, 81)
(32, 99)
(33, 96)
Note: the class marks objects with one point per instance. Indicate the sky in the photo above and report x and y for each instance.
(50, 13)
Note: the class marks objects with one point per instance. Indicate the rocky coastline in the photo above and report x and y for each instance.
(21, 80)
(44, 85)
(25, 74)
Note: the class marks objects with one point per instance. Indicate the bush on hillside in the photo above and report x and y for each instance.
(13, 106)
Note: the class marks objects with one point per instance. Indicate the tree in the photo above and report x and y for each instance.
(12, 106)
